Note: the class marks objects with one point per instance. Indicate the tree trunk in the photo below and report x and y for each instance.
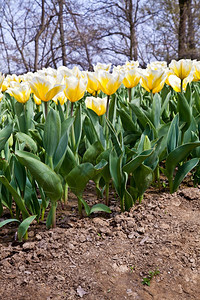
(191, 41)
(61, 27)
(182, 29)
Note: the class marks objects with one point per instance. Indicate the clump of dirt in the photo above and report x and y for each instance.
(107, 257)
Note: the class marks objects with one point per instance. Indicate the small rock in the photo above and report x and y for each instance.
(38, 237)
(28, 245)
(82, 238)
(141, 230)
(130, 224)
(100, 222)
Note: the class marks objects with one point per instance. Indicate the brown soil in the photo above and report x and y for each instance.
(106, 257)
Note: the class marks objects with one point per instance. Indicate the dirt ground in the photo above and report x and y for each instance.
(106, 257)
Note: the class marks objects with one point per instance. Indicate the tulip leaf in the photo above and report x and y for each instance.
(2, 223)
(131, 166)
(173, 134)
(4, 135)
(86, 206)
(81, 174)
(196, 98)
(178, 155)
(118, 177)
(27, 141)
(183, 171)
(114, 138)
(18, 200)
(52, 132)
(143, 177)
(20, 174)
(92, 152)
(127, 122)
(68, 163)
(100, 207)
(78, 126)
(128, 200)
(23, 227)
(61, 150)
(165, 103)
(98, 130)
(142, 117)
(156, 110)
(184, 110)
(43, 174)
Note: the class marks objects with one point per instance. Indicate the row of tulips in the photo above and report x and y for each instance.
(122, 128)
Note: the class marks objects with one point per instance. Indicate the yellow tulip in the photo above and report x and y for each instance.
(155, 65)
(1, 96)
(60, 97)
(45, 88)
(197, 71)
(132, 78)
(93, 85)
(181, 68)
(110, 82)
(36, 100)
(175, 82)
(132, 64)
(104, 67)
(75, 89)
(20, 92)
(153, 80)
(98, 105)
(2, 77)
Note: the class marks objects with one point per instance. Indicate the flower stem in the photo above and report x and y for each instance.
(107, 106)
(53, 207)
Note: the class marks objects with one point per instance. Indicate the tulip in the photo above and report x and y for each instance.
(155, 65)
(36, 100)
(45, 88)
(93, 85)
(110, 82)
(2, 77)
(196, 71)
(132, 64)
(20, 92)
(104, 67)
(98, 105)
(181, 68)
(75, 88)
(60, 97)
(153, 80)
(175, 82)
(132, 78)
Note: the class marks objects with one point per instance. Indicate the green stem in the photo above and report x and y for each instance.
(107, 106)
(53, 207)
(182, 137)
(72, 107)
(66, 194)
(129, 94)
(158, 176)
(140, 198)
(80, 208)
(42, 214)
(107, 194)
(26, 236)
(67, 108)
(181, 85)
(122, 204)
(46, 108)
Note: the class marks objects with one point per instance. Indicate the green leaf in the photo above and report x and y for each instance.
(43, 174)
(184, 110)
(61, 150)
(131, 166)
(142, 117)
(143, 177)
(86, 206)
(166, 101)
(178, 155)
(183, 171)
(156, 110)
(173, 134)
(115, 140)
(2, 223)
(23, 227)
(100, 207)
(20, 174)
(27, 141)
(69, 163)
(18, 200)
(4, 135)
(81, 174)
(52, 132)
(128, 200)
(92, 152)
(78, 126)
(118, 177)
